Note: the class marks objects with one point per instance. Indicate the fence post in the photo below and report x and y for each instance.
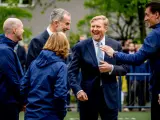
(119, 92)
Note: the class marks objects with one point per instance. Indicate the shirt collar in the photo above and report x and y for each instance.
(102, 41)
(49, 31)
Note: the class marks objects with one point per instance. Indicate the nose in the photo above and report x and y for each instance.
(145, 18)
(68, 27)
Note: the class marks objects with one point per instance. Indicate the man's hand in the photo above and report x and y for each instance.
(159, 99)
(107, 49)
(105, 67)
(82, 96)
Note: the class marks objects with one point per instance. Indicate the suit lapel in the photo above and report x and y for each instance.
(91, 49)
(106, 57)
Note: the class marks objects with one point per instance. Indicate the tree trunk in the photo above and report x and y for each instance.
(141, 21)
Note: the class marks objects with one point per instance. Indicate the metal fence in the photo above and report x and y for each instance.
(137, 91)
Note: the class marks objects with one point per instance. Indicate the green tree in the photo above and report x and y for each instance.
(126, 16)
(12, 10)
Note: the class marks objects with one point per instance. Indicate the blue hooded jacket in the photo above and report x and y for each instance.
(10, 72)
(45, 87)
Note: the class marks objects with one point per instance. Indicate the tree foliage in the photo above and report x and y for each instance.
(10, 11)
(126, 16)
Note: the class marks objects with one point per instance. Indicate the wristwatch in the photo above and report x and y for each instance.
(114, 54)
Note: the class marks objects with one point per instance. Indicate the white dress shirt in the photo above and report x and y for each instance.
(96, 49)
(49, 31)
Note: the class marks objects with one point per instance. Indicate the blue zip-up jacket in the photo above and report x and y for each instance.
(149, 50)
(10, 72)
(45, 86)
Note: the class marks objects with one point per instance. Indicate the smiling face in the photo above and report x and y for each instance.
(18, 32)
(64, 25)
(151, 19)
(97, 29)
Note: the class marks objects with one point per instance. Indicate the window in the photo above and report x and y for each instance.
(3, 1)
(22, 3)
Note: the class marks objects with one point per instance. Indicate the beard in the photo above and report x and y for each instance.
(59, 29)
(19, 37)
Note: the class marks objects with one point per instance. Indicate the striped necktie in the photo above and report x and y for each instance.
(99, 53)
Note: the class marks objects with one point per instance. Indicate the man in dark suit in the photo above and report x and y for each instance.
(60, 20)
(149, 50)
(98, 90)
(21, 53)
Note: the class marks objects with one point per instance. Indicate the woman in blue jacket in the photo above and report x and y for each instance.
(44, 86)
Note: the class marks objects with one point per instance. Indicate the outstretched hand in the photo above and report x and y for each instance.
(107, 49)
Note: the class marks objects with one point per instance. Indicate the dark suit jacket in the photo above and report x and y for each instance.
(36, 46)
(84, 58)
(21, 53)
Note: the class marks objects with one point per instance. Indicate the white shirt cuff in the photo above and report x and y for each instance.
(111, 70)
(79, 92)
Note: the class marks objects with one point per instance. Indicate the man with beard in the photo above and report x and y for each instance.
(149, 50)
(98, 91)
(10, 70)
(60, 20)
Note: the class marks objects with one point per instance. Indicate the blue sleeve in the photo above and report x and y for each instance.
(60, 89)
(150, 46)
(24, 88)
(73, 70)
(119, 68)
(8, 66)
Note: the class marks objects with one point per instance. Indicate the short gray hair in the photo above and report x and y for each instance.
(58, 14)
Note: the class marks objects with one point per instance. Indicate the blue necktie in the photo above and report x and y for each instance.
(99, 53)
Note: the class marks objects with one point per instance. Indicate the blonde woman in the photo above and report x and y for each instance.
(45, 83)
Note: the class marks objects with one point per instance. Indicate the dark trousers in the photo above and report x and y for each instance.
(95, 106)
(136, 88)
(9, 112)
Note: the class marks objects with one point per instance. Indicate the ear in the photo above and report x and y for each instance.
(14, 30)
(56, 22)
(157, 15)
(106, 29)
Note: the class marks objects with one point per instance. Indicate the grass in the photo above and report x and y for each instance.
(122, 116)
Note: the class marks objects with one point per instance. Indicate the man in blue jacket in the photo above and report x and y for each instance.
(150, 50)
(10, 70)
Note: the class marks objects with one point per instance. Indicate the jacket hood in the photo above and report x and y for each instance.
(47, 57)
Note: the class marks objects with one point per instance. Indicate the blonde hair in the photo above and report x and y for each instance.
(58, 43)
(101, 17)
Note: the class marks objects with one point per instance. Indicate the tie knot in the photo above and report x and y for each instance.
(99, 44)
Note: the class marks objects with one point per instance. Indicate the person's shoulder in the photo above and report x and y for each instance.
(84, 42)
(59, 65)
(5, 50)
(41, 36)
(153, 34)
(113, 40)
